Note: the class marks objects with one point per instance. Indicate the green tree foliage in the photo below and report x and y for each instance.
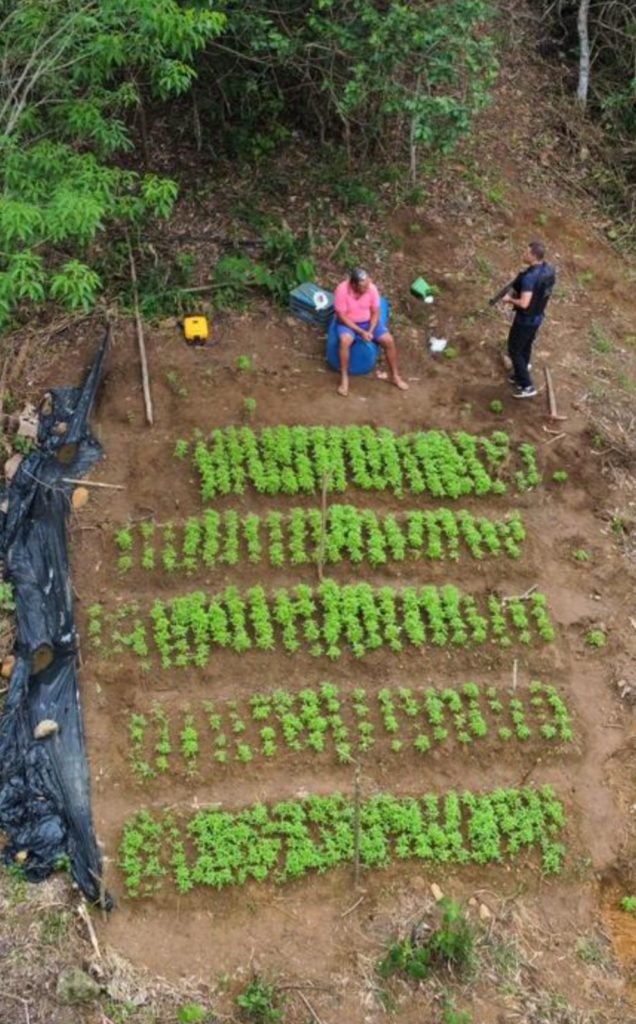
(71, 74)
(368, 72)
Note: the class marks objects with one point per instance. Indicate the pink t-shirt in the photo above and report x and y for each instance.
(356, 307)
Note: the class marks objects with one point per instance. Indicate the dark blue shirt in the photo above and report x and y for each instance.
(538, 279)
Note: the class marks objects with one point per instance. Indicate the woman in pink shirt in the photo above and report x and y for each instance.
(357, 305)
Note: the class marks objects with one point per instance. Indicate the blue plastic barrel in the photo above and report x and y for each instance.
(363, 355)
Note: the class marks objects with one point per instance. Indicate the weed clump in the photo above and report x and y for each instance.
(449, 946)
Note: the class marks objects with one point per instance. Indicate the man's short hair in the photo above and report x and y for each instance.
(537, 249)
(358, 275)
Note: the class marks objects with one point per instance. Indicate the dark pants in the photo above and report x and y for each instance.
(520, 349)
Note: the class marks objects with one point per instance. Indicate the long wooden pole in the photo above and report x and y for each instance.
(549, 387)
(145, 377)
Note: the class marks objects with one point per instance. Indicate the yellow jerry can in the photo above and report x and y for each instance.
(196, 329)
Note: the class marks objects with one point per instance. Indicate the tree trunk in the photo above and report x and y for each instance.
(584, 58)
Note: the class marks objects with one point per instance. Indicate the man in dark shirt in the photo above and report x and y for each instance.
(531, 291)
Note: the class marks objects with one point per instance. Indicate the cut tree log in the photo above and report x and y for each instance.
(145, 377)
(549, 388)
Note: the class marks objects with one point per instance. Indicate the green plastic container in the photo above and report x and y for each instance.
(422, 289)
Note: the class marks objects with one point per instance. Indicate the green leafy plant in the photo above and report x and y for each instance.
(249, 408)
(559, 476)
(261, 1002)
(628, 904)
(243, 363)
(496, 406)
(192, 1013)
(595, 638)
(580, 555)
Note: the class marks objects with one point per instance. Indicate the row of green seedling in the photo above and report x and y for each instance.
(301, 537)
(284, 842)
(304, 460)
(344, 726)
(328, 620)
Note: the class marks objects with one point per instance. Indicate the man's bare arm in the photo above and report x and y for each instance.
(522, 302)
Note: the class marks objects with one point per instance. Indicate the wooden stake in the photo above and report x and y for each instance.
(356, 827)
(145, 379)
(515, 667)
(323, 524)
(549, 387)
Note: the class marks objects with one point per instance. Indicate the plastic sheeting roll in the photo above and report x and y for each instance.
(45, 810)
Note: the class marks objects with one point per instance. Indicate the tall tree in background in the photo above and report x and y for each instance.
(584, 52)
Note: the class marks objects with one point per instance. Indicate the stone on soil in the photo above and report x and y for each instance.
(76, 986)
(80, 497)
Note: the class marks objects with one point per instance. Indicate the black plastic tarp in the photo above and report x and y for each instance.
(45, 810)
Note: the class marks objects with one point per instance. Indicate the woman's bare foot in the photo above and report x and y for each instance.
(344, 389)
(399, 383)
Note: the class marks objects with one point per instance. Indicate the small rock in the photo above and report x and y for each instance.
(80, 497)
(60, 429)
(473, 902)
(45, 728)
(21, 856)
(7, 666)
(28, 425)
(436, 892)
(484, 912)
(46, 405)
(11, 466)
(76, 986)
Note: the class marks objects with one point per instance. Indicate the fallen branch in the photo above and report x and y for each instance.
(351, 909)
(521, 597)
(19, 999)
(338, 244)
(145, 378)
(310, 1008)
(91, 483)
(85, 916)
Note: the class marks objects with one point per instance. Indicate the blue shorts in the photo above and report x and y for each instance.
(380, 329)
